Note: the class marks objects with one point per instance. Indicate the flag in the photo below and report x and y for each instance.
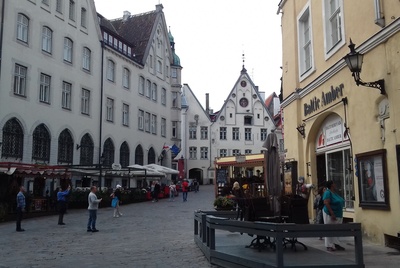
(175, 149)
(166, 147)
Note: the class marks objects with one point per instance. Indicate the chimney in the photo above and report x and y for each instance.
(256, 88)
(207, 103)
(126, 16)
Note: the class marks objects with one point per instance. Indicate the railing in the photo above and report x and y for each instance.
(207, 222)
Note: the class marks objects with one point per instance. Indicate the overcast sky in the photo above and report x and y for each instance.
(210, 37)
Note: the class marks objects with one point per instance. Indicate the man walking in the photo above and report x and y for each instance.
(62, 204)
(185, 189)
(93, 207)
(157, 190)
(20, 207)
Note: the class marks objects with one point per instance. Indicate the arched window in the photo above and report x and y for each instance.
(139, 155)
(22, 27)
(47, 35)
(65, 147)
(110, 70)
(151, 156)
(41, 143)
(87, 150)
(124, 154)
(13, 139)
(108, 152)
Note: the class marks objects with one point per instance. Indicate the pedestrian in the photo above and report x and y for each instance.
(156, 191)
(333, 213)
(172, 191)
(196, 185)
(62, 203)
(92, 208)
(116, 201)
(319, 206)
(20, 207)
(185, 189)
(153, 184)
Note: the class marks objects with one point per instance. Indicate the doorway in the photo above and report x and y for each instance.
(321, 170)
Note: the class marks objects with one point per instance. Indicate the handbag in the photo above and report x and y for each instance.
(114, 202)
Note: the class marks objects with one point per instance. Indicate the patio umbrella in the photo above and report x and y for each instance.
(273, 171)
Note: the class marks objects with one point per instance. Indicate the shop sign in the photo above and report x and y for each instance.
(332, 132)
(327, 97)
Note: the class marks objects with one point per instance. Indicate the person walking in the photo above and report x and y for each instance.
(185, 189)
(332, 213)
(157, 189)
(153, 184)
(172, 191)
(62, 203)
(92, 208)
(116, 201)
(20, 207)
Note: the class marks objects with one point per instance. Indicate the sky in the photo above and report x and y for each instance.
(210, 38)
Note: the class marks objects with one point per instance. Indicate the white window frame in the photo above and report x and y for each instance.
(174, 99)
(126, 75)
(125, 114)
(148, 89)
(66, 95)
(47, 39)
(110, 71)
(192, 152)
(86, 58)
(247, 151)
(153, 124)
(85, 101)
(163, 96)
(263, 134)
(174, 73)
(154, 92)
(22, 28)
(235, 133)
(235, 152)
(141, 120)
(247, 134)
(147, 121)
(68, 49)
(44, 88)
(163, 127)
(159, 66)
(222, 133)
(72, 7)
(141, 85)
(174, 129)
(110, 110)
(20, 76)
(59, 6)
(223, 152)
(305, 42)
(203, 153)
(192, 132)
(83, 17)
(204, 133)
(331, 48)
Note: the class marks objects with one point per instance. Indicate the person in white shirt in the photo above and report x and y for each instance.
(172, 191)
(93, 207)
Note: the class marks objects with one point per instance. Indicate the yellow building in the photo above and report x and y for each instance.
(333, 128)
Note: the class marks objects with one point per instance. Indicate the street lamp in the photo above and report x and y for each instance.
(354, 61)
(101, 161)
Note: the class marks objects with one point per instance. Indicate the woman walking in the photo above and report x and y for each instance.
(116, 200)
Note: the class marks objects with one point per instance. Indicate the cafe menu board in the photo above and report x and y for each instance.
(221, 176)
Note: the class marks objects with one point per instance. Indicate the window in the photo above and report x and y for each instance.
(281, 146)
(263, 134)
(86, 55)
(204, 133)
(110, 110)
(305, 46)
(333, 23)
(174, 129)
(163, 127)
(174, 73)
(83, 17)
(222, 133)
(154, 124)
(66, 96)
(192, 152)
(125, 78)
(247, 151)
(247, 134)
(192, 132)
(163, 96)
(223, 153)
(86, 150)
(129, 51)
(85, 101)
(120, 46)
(141, 85)
(108, 152)
(174, 99)
(141, 120)
(13, 139)
(235, 152)
(68, 44)
(125, 114)
(235, 133)
(147, 122)
(44, 90)
(154, 92)
(59, 6)
(151, 156)
(159, 66)
(41, 143)
(204, 153)
(151, 61)
(139, 155)
(65, 147)
(167, 70)
(47, 35)
(72, 10)
(148, 88)
(22, 28)
(248, 120)
(115, 43)
(124, 154)
(20, 80)
(110, 70)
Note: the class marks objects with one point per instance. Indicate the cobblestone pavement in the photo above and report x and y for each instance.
(147, 235)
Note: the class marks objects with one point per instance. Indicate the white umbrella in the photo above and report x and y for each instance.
(162, 169)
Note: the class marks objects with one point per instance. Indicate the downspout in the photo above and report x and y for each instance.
(101, 109)
(210, 154)
(1, 36)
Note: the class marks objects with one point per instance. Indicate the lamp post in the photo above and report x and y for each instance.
(354, 61)
(101, 160)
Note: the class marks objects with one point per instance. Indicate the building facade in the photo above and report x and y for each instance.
(334, 129)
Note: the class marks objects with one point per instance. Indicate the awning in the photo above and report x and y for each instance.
(7, 171)
(162, 169)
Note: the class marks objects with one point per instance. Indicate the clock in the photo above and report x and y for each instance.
(243, 102)
(243, 83)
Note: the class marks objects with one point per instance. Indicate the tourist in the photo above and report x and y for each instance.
(62, 204)
(185, 189)
(93, 207)
(116, 201)
(20, 207)
(153, 184)
(157, 190)
(172, 191)
(196, 185)
(333, 213)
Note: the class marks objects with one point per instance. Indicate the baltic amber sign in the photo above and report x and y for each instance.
(327, 97)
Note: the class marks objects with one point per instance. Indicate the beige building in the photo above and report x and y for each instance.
(333, 128)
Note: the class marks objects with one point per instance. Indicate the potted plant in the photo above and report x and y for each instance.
(223, 203)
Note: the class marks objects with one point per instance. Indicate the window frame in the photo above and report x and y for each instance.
(235, 133)
(192, 132)
(203, 153)
(153, 124)
(110, 110)
(247, 134)
(83, 17)
(154, 92)
(263, 134)
(19, 87)
(66, 95)
(330, 48)
(163, 127)
(59, 6)
(223, 133)
(304, 24)
(126, 75)
(193, 152)
(125, 114)
(141, 120)
(85, 101)
(23, 28)
(71, 10)
(110, 70)
(163, 96)
(44, 88)
(142, 82)
(86, 59)
(204, 133)
(47, 40)
(68, 50)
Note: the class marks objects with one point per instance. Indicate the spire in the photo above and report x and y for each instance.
(243, 60)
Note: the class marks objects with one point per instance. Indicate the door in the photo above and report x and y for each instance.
(321, 170)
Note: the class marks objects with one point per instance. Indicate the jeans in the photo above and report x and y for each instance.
(92, 219)
(62, 208)
(171, 196)
(184, 194)
(19, 218)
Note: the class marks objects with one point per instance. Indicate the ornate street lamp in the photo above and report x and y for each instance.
(354, 61)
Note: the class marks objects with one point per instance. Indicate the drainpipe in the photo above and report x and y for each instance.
(101, 111)
(1, 36)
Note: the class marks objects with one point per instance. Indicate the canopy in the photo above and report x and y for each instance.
(158, 168)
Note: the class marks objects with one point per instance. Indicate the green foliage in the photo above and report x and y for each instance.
(223, 202)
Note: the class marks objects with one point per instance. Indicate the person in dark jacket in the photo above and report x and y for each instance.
(157, 189)
(62, 204)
